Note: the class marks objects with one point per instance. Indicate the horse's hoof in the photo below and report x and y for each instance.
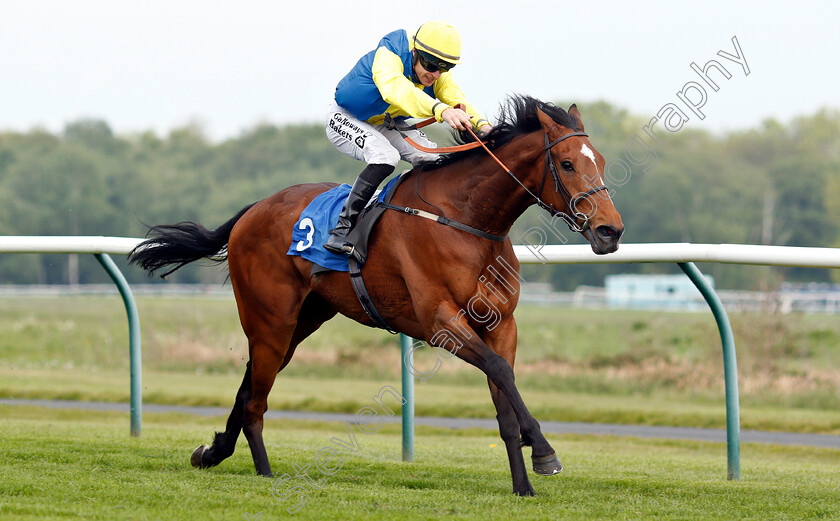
(527, 492)
(197, 454)
(547, 465)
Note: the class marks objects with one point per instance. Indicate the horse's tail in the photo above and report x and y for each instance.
(182, 243)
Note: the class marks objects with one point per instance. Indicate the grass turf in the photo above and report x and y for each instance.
(572, 364)
(71, 464)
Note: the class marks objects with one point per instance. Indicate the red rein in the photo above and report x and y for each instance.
(458, 148)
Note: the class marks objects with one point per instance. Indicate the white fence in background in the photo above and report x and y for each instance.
(584, 296)
(783, 301)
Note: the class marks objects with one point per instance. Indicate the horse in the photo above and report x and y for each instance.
(422, 276)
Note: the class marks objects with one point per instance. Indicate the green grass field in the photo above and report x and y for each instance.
(572, 365)
(66, 464)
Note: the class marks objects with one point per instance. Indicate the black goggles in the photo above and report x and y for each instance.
(432, 63)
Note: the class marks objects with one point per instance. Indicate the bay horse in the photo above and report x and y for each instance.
(420, 274)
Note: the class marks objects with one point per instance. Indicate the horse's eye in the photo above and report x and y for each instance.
(567, 166)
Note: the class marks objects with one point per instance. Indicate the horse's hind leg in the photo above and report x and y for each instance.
(267, 363)
(224, 443)
(314, 312)
(269, 320)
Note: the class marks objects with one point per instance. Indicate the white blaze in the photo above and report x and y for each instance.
(585, 150)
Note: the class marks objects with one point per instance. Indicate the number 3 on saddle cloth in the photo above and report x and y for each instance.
(313, 227)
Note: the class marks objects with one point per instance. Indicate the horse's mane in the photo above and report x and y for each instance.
(517, 116)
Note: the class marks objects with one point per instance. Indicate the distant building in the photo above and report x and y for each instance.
(666, 292)
(678, 293)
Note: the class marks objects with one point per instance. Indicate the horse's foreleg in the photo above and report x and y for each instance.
(475, 351)
(500, 373)
(503, 342)
(509, 432)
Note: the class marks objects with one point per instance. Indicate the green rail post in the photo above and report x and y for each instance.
(134, 340)
(730, 370)
(408, 394)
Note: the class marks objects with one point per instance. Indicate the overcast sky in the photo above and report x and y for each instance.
(231, 64)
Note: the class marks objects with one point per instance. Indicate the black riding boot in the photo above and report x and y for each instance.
(360, 194)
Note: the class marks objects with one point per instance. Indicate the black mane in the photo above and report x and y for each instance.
(517, 117)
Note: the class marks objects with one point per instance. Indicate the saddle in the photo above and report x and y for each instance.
(311, 231)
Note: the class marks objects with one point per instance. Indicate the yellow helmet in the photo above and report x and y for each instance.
(439, 39)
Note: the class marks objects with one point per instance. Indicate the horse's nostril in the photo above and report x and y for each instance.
(608, 232)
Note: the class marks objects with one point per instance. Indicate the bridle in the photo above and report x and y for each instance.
(571, 201)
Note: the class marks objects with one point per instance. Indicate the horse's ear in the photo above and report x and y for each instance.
(545, 120)
(573, 110)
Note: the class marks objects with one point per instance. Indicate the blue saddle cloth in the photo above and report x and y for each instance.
(313, 227)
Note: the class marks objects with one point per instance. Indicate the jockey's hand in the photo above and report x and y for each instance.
(457, 118)
(484, 130)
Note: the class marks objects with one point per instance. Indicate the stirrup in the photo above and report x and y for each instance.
(345, 248)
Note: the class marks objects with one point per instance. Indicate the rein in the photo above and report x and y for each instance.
(391, 124)
(572, 202)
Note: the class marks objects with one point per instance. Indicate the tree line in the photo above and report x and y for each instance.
(776, 184)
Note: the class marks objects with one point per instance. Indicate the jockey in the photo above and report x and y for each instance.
(406, 76)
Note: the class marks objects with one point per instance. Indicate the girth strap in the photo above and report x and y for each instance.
(364, 296)
(444, 220)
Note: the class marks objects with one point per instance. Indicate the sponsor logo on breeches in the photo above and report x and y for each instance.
(342, 126)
